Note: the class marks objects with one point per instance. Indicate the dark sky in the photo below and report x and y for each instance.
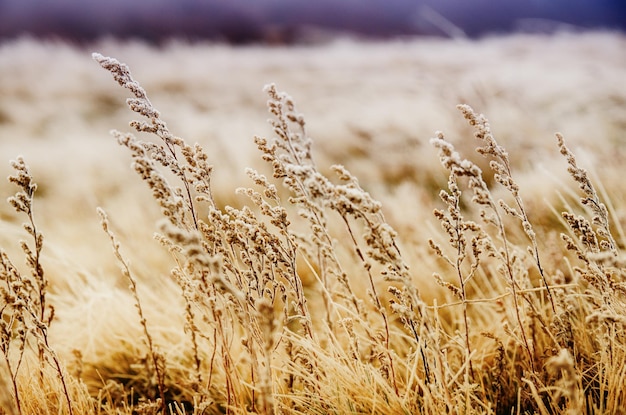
(242, 21)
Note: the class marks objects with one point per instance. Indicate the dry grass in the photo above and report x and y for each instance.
(302, 293)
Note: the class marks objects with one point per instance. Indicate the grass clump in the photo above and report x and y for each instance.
(302, 300)
(26, 316)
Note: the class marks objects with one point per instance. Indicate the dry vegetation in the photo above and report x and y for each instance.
(492, 282)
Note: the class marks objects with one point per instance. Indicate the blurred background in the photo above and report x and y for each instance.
(300, 21)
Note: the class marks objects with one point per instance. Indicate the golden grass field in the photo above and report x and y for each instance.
(354, 254)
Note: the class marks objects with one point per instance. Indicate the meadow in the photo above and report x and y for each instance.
(314, 229)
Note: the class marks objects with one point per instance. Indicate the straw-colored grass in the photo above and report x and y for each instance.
(353, 274)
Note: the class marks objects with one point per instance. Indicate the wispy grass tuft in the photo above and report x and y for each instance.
(301, 300)
(25, 315)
